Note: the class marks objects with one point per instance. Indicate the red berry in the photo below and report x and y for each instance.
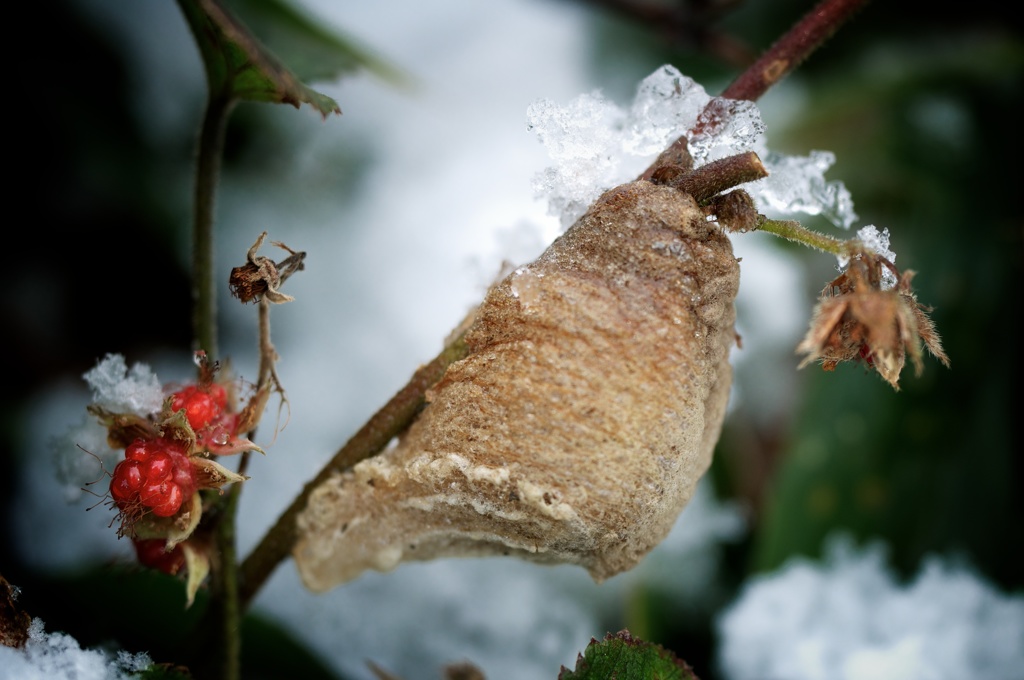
(159, 466)
(167, 501)
(152, 552)
(141, 449)
(157, 474)
(126, 481)
(219, 394)
(184, 477)
(201, 404)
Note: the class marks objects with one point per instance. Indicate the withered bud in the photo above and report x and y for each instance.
(857, 320)
(14, 621)
(576, 429)
(677, 155)
(735, 211)
(667, 174)
(711, 179)
(260, 277)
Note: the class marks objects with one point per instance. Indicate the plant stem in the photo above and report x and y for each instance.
(792, 49)
(227, 603)
(390, 421)
(794, 231)
(778, 61)
(211, 149)
(715, 177)
(224, 609)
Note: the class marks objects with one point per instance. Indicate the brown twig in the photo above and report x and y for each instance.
(715, 177)
(391, 420)
(778, 61)
(688, 24)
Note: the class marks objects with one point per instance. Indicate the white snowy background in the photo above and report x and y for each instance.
(391, 269)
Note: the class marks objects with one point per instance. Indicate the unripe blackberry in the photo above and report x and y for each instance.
(156, 474)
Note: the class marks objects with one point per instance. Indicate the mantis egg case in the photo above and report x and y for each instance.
(582, 418)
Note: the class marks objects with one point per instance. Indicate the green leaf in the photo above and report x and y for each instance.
(311, 51)
(239, 67)
(623, 657)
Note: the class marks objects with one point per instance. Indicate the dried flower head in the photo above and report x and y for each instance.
(260, 276)
(857, 319)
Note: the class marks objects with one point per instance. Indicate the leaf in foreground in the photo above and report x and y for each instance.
(239, 67)
(623, 657)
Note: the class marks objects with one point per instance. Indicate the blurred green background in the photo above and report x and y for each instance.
(922, 106)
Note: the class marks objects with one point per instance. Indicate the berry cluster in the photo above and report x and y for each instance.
(205, 409)
(155, 474)
(202, 403)
(153, 553)
(170, 457)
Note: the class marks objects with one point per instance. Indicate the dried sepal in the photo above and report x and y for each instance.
(251, 414)
(124, 428)
(175, 425)
(858, 319)
(197, 565)
(212, 475)
(174, 529)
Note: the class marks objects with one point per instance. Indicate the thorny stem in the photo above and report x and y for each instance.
(794, 231)
(390, 421)
(779, 60)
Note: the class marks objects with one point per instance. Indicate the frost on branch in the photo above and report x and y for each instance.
(797, 185)
(596, 145)
(876, 242)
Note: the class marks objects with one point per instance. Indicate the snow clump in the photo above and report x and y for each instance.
(596, 145)
(848, 618)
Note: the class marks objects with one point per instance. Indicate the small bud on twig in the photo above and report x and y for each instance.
(260, 277)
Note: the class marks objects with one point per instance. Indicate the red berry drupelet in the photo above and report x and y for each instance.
(202, 403)
(156, 474)
(153, 553)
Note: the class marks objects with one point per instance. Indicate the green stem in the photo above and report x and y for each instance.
(223, 614)
(227, 603)
(211, 149)
(794, 231)
(390, 421)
